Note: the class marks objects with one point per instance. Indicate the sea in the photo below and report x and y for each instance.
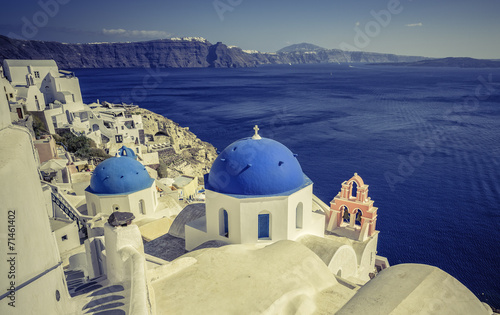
(425, 140)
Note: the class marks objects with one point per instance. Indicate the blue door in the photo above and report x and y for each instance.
(264, 225)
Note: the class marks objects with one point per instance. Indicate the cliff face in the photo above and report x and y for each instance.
(336, 56)
(452, 62)
(161, 53)
(169, 53)
(187, 155)
(220, 56)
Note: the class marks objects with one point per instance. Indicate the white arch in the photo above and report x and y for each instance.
(344, 260)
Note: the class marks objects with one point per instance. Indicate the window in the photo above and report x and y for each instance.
(299, 215)
(223, 223)
(354, 189)
(116, 208)
(64, 237)
(264, 225)
(142, 207)
(37, 74)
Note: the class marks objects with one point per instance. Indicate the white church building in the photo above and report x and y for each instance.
(256, 192)
(123, 184)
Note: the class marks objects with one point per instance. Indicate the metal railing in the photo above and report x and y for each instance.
(58, 200)
(64, 208)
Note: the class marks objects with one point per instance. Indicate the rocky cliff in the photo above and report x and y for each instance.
(335, 56)
(178, 53)
(450, 62)
(187, 154)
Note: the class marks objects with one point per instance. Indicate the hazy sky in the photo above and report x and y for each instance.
(434, 28)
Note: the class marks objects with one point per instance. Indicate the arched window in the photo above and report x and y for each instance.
(142, 206)
(37, 103)
(354, 189)
(264, 225)
(223, 223)
(299, 215)
(359, 214)
(346, 216)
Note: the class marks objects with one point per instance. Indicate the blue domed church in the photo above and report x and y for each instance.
(256, 192)
(121, 183)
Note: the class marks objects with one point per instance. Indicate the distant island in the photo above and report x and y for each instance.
(462, 62)
(186, 52)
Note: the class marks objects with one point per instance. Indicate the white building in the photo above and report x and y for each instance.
(256, 192)
(44, 75)
(65, 233)
(54, 95)
(36, 284)
(39, 86)
(122, 184)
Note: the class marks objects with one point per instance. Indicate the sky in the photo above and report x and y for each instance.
(438, 28)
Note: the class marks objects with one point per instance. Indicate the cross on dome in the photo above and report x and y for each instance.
(256, 136)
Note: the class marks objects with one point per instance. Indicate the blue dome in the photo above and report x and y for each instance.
(255, 167)
(119, 175)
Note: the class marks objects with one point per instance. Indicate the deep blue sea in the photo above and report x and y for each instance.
(426, 141)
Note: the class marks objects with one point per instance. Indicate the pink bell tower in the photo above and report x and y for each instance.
(352, 213)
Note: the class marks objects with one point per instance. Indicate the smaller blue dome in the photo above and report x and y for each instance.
(255, 167)
(127, 152)
(119, 175)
